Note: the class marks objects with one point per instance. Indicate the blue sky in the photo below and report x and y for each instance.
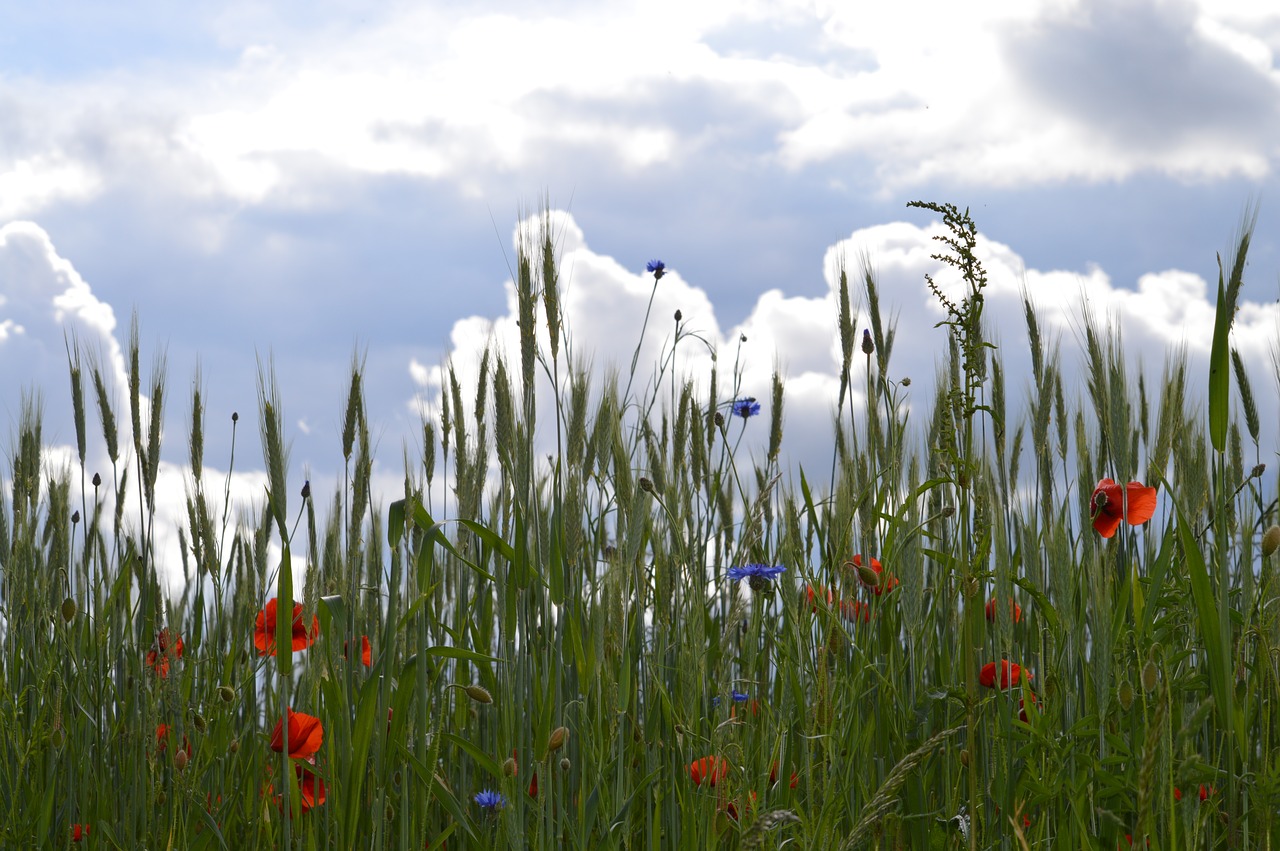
(308, 180)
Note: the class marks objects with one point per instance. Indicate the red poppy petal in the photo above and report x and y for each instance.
(306, 734)
(1106, 524)
(1141, 503)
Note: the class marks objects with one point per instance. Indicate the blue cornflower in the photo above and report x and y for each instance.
(490, 800)
(747, 407)
(715, 701)
(757, 575)
(739, 697)
(657, 267)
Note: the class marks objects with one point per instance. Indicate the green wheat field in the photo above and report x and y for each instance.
(968, 631)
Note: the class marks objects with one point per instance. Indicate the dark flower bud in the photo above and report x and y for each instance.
(646, 485)
(75, 517)
(69, 609)
(97, 480)
(906, 382)
(1257, 471)
(306, 489)
(564, 763)
(679, 316)
(868, 347)
(719, 419)
(742, 338)
(657, 267)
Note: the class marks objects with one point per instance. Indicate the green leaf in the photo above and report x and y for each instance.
(1219, 368)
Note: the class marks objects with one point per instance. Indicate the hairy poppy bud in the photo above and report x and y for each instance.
(1270, 541)
(97, 480)
(1125, 694)
(306, 489)
(679, 316)
(198, 722)
(235, 417)
(1150, 676)
(227, 693)
(180, 760)
(478, 693)
(557, 740)
(509, 767)
(75, 516)
(69, 610)
(965, 757)
(564, 763)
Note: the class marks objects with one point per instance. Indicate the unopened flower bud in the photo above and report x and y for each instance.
(646, 485)
(234, 747)
(868, 347)
(227, 693)
(564, 763)
(1257, 471)
(905, 382)
(557, 740)
(68, 610)
(197, 720)
(478, 693)
(1150, 676)
(718, 419)
(306, 489)
(58, 737)
(867, 575)
(180, 760)
(75, 517)
(1125, 694)
(1270, 541)
(679, 316)
(509, 767)
(391, 813)
(235, 417)
(97, 480)
(965, 758)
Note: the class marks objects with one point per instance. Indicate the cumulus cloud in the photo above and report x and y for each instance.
(605, 303)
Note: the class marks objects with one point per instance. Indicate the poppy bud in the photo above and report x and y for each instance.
(306, 489)
(58, 737)
(97, 480)
(69, 610)
(867, 575)
(234, 747)
(1150, 675)
(235, 417)
(557, 740)
(964, 757)
(1125, 694)
(75, 517)
(646, 485)
(180, 760)
(1271, 541)
(564, 763)
(679, 316)
(198, 722)
(479, 694)
(509, 767)
(905, 382)
(227, 693)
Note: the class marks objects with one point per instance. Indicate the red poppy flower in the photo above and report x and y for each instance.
(754, 706)
(310, 789)
(366, 653)
(1177, 794)
(306, 734)
(773, 776)
(822, 589)
(162, 740)
(1022, 705)
(1015, 611)
(168, 646)
(533, 786)
(1008, 672)
(872, 576)
(853, 610)
(1111, 504)
(1206, 792)
(709, 768)
(731, 809)
(79, 831)
(264, 636)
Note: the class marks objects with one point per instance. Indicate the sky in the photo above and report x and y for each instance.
(295, 184)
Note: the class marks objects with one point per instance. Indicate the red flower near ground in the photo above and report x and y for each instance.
(79, 831)
(533, 786)
(709, 768)
(1206, 792)
(731, 809)
(264, 636)
(310, 789)
(1111, 504)
(1022, 704)
(1177, 794)
(1015, 611)
(855, 610)
(1008, 673)
(822, 589)
(168, 647)
(306, 734)
(366, 653)
(773, 776)
(872, 576)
